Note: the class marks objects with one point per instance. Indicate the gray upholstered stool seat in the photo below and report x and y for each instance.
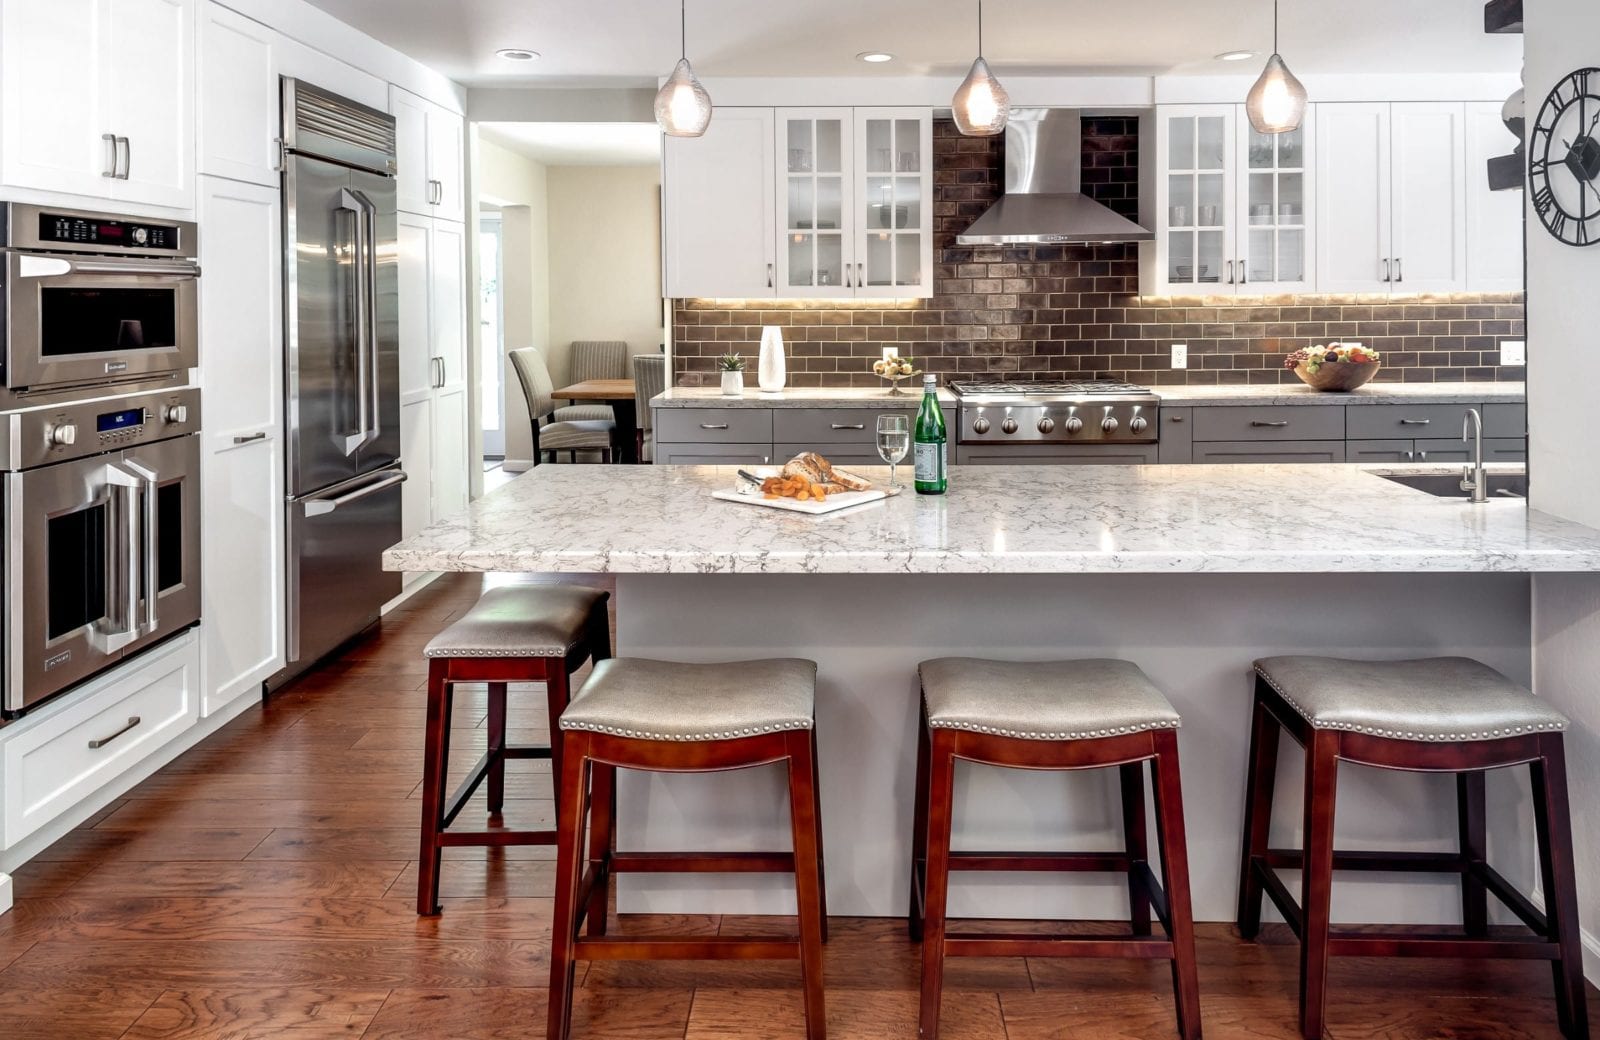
(663, 700)
(1437, 698)
(521, 621)
(1043, 700)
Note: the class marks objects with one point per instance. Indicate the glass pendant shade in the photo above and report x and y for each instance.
(683, 108)
(981, 105)
(1277, 103)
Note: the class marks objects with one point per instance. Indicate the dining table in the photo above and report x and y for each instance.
(619, 394)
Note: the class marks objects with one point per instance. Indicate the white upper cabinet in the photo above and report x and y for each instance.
(1428, 143)
(1353, 202)
(717, 209)
(893, 191)
(1494, 218)
(816, 213)
(99, 98)
(1276, 236)
(239, 97)
(431, 156)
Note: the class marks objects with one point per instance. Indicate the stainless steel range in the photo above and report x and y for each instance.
(1068, 412)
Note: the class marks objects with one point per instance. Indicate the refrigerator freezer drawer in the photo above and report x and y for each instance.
(337, 584)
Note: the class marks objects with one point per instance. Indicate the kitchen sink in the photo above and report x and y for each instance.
(1448, 485)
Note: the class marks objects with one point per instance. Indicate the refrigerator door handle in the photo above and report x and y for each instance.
(323, 506)
(364, 257)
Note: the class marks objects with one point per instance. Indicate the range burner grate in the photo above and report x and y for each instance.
(1035, 388)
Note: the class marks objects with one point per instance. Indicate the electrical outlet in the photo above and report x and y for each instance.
(1180, 355)
(1513, 352)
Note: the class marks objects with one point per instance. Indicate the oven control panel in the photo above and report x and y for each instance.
(107, 233)
(56, 433)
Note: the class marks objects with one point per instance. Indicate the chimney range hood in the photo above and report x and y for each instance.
(1044, 200)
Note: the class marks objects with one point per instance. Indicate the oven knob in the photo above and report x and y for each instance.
(1138, 424)
(140, 236)
(62, 434)
(1109, 424)
(1009, 426)
(1074, 424)
(1046, 424)
(175, 413)
(980, 425)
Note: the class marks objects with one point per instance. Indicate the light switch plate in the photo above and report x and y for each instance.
(1180, 355)
(1513, 352)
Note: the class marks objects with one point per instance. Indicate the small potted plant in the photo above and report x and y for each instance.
(732, 367)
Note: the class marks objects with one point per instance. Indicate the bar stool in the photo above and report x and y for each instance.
(684, 718)
(1052, 715)
(517, 633)
(1447, 715)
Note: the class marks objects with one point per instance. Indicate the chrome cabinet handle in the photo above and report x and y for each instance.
(249, 437)
(769, 276)
(861, 276)
(1230, 272)
(111, 155)
(96, 745)
(1422, 456)
(1411, 456)
(127, 157)
(1175, 418)
(847, 283)
(1399, 269)
(1244, 277)
(847, 426)
(713, 426)
(1387, 274)
(1415, 422)
(1262, 422)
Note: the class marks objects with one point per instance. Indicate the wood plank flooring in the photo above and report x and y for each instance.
(263, 886)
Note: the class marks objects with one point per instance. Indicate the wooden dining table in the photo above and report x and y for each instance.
(618, 393)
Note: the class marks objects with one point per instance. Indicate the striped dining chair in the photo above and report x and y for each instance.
(594, 359)
(649, 379)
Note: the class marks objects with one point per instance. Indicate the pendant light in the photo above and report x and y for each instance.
(981, 105)
(683, 108)
(1277, 102)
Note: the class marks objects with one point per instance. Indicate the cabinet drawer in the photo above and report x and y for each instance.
(1505, 420)
(714, 425)
(1500, 449)
(1413, 422)
(1056, 455)
(1255, 451)
(1381, 451)
(818, 426)
(1308, 422)
(713, 454)
(1177, 435)
(56, 760)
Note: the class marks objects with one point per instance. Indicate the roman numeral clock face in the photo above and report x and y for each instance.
(1564, 160)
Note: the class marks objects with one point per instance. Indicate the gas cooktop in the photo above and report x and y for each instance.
(1025, 412)
(1064, 388)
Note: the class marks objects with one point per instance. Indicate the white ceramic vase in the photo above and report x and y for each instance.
(733, 384)
(772, 372)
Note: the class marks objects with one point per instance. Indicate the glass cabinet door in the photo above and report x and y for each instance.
(1199, 217)
(815, 258)
(1275, 202)
(893, 188)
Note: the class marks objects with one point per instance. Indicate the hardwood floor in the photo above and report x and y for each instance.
(264, 884)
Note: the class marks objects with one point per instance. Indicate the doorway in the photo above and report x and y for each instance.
(491, 334)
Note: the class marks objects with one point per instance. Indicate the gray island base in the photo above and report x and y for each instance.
(1189, 572)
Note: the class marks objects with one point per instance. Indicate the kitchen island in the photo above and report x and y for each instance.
(1189, 571)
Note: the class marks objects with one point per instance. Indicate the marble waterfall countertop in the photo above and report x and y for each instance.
(1002, 520)
(1172, 396)
(797, 397)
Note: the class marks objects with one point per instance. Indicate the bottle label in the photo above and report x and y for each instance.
(930, 463)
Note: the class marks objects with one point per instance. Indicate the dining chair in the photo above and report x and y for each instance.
(649, 379)
(557, 435)
(594, 359)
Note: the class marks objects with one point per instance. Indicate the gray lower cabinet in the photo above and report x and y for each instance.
(1506, 449)
(713, 454)
(1065, 454)
(1177, 436)
(1268, 423)
(1275, 451)
(755, 436)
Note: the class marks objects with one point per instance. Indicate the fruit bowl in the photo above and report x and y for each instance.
(896, 370)
(1335, 368)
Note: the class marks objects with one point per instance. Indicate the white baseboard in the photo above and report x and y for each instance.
(517, 465)
(5, 893)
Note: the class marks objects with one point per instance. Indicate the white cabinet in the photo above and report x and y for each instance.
(99, 98)
(816, 259)
(1234, 205)
(239, 97)
(430, 156)
(434, 442)
(718, 237)
(1494, 218)
(1392, 197)
(242, 461)
(893, 197)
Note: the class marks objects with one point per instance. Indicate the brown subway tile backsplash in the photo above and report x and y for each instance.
(1070, 311)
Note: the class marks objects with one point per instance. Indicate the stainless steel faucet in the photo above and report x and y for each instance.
(1472, 478)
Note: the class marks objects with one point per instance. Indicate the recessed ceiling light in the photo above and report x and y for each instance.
(876, 57)
(1236, 55)
(517, 54)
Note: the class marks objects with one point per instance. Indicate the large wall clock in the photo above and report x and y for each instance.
(1564, 160)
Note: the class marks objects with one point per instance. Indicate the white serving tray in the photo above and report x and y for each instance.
(834, 503)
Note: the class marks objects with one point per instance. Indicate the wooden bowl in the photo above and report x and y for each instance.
(1339, 377)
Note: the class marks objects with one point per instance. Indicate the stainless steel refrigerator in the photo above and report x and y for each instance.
(341, 372)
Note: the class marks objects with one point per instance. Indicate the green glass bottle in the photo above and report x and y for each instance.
(929, 451)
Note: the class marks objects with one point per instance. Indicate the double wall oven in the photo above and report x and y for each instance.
(99, 453)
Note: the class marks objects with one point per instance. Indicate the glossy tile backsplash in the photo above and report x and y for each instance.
(1058, 311)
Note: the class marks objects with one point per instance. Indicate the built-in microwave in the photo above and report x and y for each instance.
(95, 299)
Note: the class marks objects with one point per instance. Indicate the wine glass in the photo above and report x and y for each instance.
(894, 441)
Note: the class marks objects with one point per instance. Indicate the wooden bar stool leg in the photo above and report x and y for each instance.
(557, 693)
(822, 866)
(602, 842)
(1136, 844)
(1470, 813)
(571, 795)
(1261, 777)
(497, 747)
(1554, 827)
(941, 799)
(1316, 897)
(1175, 880)
(435, 775)
(807, 876)
(919, 829)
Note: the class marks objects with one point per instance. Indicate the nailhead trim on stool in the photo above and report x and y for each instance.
(1378, 731)
(636, 734)
(1087, 734)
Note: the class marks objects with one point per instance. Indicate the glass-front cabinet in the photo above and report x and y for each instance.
(1233, 205)
(854, 200)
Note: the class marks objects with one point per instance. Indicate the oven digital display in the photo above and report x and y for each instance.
(110, 422)
(124, 234)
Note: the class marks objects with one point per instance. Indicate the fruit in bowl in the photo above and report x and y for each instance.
(1336, 367)
(894, 367)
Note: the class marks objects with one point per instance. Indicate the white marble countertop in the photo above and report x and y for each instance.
(796, 397)
(1024, 519)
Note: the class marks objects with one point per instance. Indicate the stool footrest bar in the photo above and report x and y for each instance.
(686, 948)
(497, 838)
(1093, 862)
(1423, 862)
(702, 862)
(1274, 887)
(527, 751)
(1515, 901)
(1450, 944)
(988, 944)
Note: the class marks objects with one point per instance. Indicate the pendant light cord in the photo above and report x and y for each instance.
(683, 28)
(1275, 26)
(980, 28)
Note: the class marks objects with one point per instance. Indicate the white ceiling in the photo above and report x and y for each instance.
(632, 42)
(580, 144)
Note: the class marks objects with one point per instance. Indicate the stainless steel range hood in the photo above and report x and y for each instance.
(1044, 200)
